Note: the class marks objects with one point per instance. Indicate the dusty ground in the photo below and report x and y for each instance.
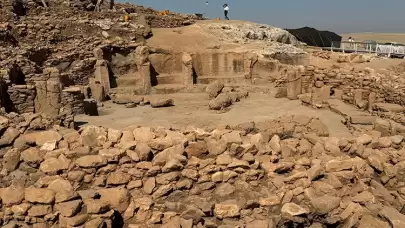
(192, 109)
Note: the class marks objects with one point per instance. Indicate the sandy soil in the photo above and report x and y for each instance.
(192, 109)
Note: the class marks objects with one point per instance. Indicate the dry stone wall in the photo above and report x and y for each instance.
(278, 173)
(350, 85)
(380, 94)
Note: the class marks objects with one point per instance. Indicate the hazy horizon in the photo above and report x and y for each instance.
(340, 16)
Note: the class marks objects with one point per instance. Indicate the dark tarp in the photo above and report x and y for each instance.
(314, 37)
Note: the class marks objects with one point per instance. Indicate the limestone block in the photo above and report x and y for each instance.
(294, 84)
(48, 99)
(358, 98)
(187, 70)
(338, 94)
(142, 55)
(143, 64)
(97, 92)
(320, 95)
(102, 74)
(248, 63)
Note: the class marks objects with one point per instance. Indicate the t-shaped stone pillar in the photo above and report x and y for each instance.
(248, 63)
(102, 75)
(187, 70)
(294, 82)
(48, 93)
(143, 64)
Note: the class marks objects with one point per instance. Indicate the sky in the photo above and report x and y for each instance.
(340, 16)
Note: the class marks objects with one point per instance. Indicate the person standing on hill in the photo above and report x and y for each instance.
(226, 9)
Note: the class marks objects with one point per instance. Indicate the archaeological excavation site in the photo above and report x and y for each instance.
(131, 117)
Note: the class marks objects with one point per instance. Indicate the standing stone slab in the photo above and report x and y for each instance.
(48, 99)
(294, 83)
(102, 75)
(187, 70)
(143, 64)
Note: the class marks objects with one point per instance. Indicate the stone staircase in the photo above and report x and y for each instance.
(127, 84)
(227, 80)
(168, 83)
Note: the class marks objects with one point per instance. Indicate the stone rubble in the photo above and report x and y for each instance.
(222, 97)
(373, 94)
(285, 172)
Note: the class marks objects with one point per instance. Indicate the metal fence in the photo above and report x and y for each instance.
(368, 47)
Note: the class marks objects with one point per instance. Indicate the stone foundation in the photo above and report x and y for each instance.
(352, 86)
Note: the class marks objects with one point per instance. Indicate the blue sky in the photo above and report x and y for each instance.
(340, 16)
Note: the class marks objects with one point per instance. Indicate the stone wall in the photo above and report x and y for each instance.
(278, 173)
(72, 100)
(356, 87)
(40, 94)
(22, 98)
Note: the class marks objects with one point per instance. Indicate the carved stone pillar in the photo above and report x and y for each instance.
(187, 70)
(102, 75)
(248, 63)
(143, 64)
(48, 93)
(294, 82)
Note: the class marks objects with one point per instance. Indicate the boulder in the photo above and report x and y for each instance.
(91, 161)
(382, 126)
(93, 136)
(4, 122)
(11, 159)
(12, 195)
(292, 209)
(161, 102)
(9, 136)
(116, 198)
(42, 137)
(222, 101)
(39, 195)
(31, 156)
(54, 165)
(226, 210)
(214, 89)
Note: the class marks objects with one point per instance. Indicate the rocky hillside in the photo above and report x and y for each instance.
(64, 35)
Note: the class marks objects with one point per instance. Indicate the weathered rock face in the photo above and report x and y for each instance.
(254, 32)
(226, 177)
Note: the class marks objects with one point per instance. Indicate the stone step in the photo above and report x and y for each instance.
(168, 88)
(128, 81)
(127, 90)
(165, 79)
(225, 80)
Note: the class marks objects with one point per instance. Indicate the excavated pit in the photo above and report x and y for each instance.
(169, 74)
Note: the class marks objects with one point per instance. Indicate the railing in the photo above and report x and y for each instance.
(365, 47)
